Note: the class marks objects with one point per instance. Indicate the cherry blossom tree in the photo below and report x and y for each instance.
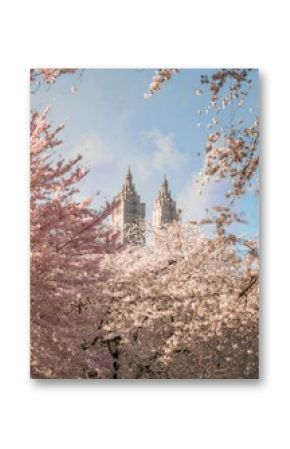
(185, 307)
(68, 239)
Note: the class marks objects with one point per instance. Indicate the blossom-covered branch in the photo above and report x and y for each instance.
(48, 75)
(160, 77)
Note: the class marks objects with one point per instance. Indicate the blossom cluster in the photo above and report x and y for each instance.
(233, 157)
(160, 77)
(48, 75)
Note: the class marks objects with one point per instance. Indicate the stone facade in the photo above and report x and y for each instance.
(130, 215)
(164, 207)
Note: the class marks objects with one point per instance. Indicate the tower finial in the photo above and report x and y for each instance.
(164, 185)
(129, 174)
(128, 185)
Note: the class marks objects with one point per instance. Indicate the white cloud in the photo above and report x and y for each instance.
(94, 150)
(192, 203)
(165, 154)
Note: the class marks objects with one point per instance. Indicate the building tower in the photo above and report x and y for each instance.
(164, 207)
(130, 213)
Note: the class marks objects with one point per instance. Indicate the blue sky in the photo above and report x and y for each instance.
(109, 122)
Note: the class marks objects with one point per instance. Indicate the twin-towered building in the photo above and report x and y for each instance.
(129, 216)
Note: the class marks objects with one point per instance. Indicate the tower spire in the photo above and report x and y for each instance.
(128, 184)
(130, 214)
(164, 191)
(164, 207)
